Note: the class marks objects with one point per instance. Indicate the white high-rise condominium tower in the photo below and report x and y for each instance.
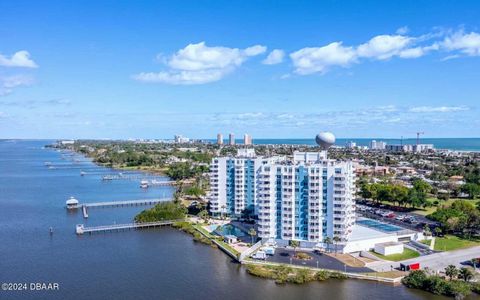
(231, 139)
(233, 182)
(219, 139)
(247, 139)
(306, 198)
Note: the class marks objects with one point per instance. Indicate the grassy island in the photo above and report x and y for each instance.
(162, 211)
(283, 274)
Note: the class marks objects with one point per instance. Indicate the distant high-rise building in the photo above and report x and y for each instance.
(219, 139)
(231, 139)
(181, 139)
(247, 139)
(351, 145)
(374, 145)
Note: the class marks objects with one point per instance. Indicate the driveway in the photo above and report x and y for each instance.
(285, 256)
(436, 261)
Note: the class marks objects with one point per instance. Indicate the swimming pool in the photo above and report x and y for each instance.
(227, 230)
(379, 225)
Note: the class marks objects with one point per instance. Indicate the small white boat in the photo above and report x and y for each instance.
(82, 173)
(72, 203)
(144, 184)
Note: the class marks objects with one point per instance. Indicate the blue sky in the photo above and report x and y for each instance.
(274, 69)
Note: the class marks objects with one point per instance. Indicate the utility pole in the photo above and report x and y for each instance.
(418, 137)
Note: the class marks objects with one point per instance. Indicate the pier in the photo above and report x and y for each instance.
(127, 202)
(81, 229)
(116, 204)
(85, 213)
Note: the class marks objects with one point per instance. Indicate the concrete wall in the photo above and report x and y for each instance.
(367, 245)
(388, 249)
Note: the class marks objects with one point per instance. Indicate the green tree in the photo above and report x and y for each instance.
(327, 240)
(466, 274)
(336, 240)
(295, 245)
(472, 189)
(426, 230)
(451, 271)
(252, 233)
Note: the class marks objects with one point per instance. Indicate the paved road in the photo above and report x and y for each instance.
(436, 261)
(324, 261)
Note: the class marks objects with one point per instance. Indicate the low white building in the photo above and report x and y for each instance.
(388, 248)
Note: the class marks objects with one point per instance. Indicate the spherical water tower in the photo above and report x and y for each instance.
(325, 139)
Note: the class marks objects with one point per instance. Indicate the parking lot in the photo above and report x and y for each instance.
(319, 260)
(404, 219)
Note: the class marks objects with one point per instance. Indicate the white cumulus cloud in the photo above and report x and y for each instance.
(199, 64)
(467, 43)
(384, 46)
(319, 59)
(275, 57)
(19, 59)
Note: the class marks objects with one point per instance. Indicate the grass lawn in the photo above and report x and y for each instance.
(388, 274)
(451, 242)
(432, 209)
(407, 253)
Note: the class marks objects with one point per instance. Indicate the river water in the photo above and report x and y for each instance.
(145, 264)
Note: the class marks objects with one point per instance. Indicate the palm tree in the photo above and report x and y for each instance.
(451, 271)
(223, 211)
(336, 240)
(295, 245)
(426, 230)
(327, 240)
(466, 274)
(252, 233)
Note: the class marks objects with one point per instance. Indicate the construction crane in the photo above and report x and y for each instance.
(418, 137)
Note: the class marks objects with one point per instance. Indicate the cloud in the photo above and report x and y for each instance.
(466, 43)
(320, 59)
(275, 57)
(384, 47)
(381, 47)
(439, 109)
(19, 59)
(388, 115)
(402, 30)
(8, 83)
(199, 64)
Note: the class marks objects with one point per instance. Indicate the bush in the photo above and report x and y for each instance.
(338, 275)
(301, 276)
(434, 284)
(322, 275)
(476, 288)
(415, 279)
(303, 256)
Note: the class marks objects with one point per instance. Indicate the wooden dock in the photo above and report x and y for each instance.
(81, 229)
(84, 210)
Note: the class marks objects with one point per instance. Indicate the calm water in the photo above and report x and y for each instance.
(459, 144)
(148, 264)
